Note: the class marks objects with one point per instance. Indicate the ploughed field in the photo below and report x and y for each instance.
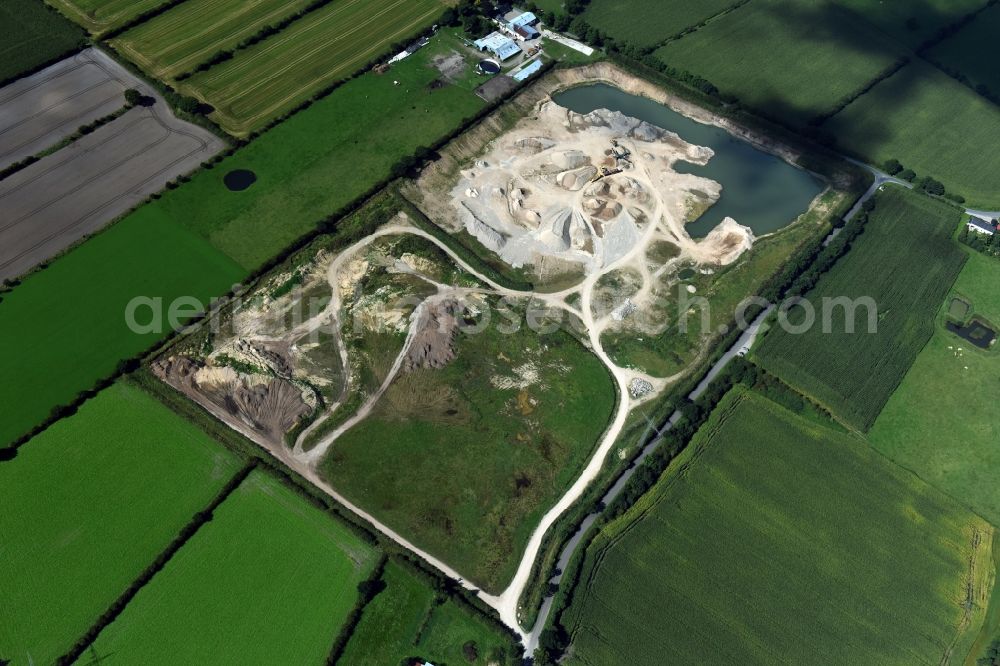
(768, 527)
(89, 505)
(854, 356)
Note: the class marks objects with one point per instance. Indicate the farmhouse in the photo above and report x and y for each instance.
(981, 226)
(523, 26)
(502, 47)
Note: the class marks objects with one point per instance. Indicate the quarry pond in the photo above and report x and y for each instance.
(759, 190)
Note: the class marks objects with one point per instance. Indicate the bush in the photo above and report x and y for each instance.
(892, 167)
(133, 97)
(907, 175)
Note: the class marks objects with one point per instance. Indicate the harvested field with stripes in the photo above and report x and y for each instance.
(180, 40)
(99, 16)
(274, 76)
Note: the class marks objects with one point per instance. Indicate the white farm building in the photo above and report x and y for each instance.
(501, 46)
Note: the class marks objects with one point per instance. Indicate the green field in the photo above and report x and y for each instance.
(270, 580)
(318, 161)
(912, 23)
(942, 422)
(99, 16)
(31, 35)
(527, 408)
(88, 505)
(407, 620)
(776, 540)
(906, 261)
(186, 36)
(970, 51)
(636, 22)
(921, 116)
(64, 328)
(276, 75)
(771, 53)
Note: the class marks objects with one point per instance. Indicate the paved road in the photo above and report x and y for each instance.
(77, 190)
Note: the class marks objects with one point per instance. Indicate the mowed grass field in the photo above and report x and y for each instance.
(407, 620)
(99, 16)
(912, 23)
(777, 540)
(31, 35)
(646, 24)
(269, 580)
(771, 54)
(969, 50)
(318, 161)
(64, 327)
(528, 409)
(933, 125)
(942, 422)
(905, 262)
(88, 505)
(188, 35)
(272, 77)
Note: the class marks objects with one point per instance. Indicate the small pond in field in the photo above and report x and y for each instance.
(759, 190)
(239, 180)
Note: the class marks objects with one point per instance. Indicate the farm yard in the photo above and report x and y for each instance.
(270, 579)
(917, 116)
(529, 436)
(948, 436)
(754, 539)
(756, 53)
(631, 21)
(906, 261)
(32, 35)
(407, 619)
(100, 16)
(272, 77)
(101, 493)
(178, 41)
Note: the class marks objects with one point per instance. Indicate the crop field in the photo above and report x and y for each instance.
(99, 16)
(530, 437)
(631, 21)
(918, 116)
(190, 34)
(774, 540)
(64, 328)
(905, 261)
(406, 620)
(771, 53)
(968, 51)
(88, 505)
(272, 77)
(31, 35)
(270, 579)
(912, 23)
(318, 161)
(948, 434)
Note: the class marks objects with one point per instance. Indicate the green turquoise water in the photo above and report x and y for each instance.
(759, 190)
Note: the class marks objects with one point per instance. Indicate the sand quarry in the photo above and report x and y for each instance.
(589, 190)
